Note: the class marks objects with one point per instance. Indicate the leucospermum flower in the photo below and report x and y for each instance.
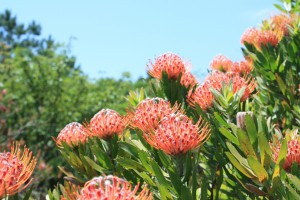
(293, 154)
(16, 168)
(221, 63)
(107, 123)
(188, 80)
(280, 23)
(171, 63)
(149, 112)
(259, 38)
(72, 134)
(176, 134)
(203, 96)
(112, 188)
(243, 68)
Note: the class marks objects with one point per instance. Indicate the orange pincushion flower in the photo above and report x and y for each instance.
(221, 63)
(243, 68)
(176, 134)
(16, 168)
(250, 36)
(171, 63)
(72, 134)
(106, 123)
(149, 112)
(280, 23)
(112, 188)
(265, 38)
(293, 154)
(188, 80)
(204, 98)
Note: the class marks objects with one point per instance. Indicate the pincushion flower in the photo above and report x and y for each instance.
(243, 68)
(279, 25)
(149, 112)
(221, 63)
(72, 134)
(171, 63)
(16, 168)
(176, 134)
(293, 154)
(107, 123)
(260, 38)
(188, 80)
(203, 96)
(112, 188)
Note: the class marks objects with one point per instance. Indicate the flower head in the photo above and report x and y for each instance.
(250, 36)
(243, 68)
(171, 63)
(221, 63)
(279, 24)
(16, 168)
(188, 80)
(203, 96)
(112, 188)
(176, 134)
(293, 154)
(72, 134)
(149, 112)
(260, 38)
(107, 123)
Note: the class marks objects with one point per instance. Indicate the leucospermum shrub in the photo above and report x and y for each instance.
(232, 136)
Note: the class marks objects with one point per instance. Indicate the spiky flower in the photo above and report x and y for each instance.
(171, 63)
(243, 68)
(112, 188)
(176, 134)
(260, 38)
(221, 63)
(72, 134)
(250, 36)
(293, 154)
(279, 25)
(16, 168)
(70, 191)
(188, 80)
(149, 112)
(107, 123)
(203, 96)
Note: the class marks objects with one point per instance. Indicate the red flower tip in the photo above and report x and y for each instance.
(112, 188)
(221, 63)
(72, 134)
(243, 68)
(106, 123)
(176, 134)
(16, 168)
(171, 63)
(188, 80)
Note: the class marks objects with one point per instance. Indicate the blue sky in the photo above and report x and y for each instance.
(110, 37)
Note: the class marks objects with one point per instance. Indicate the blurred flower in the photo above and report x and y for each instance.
(259, 38)
(16, 168)
(112, 188)
(4, 92)
(293, 154)
(171, 63)
(107, 123)
(221, 63)
(241, 117)
(188, 80)
(72, 134)
(176, 134)
(243, 68)
(203, 96)
(149, 112)
(250, 36)
(279, 24)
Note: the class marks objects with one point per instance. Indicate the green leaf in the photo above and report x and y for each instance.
(228, 135)
(295, 180)
(185, 193)
(282, 153)
(95, 166)
(281, 84)
(221, 120)
(237, 155)
(237, 164)
(130, 164)
(251, 129)
(258, 169)
(245, 144)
